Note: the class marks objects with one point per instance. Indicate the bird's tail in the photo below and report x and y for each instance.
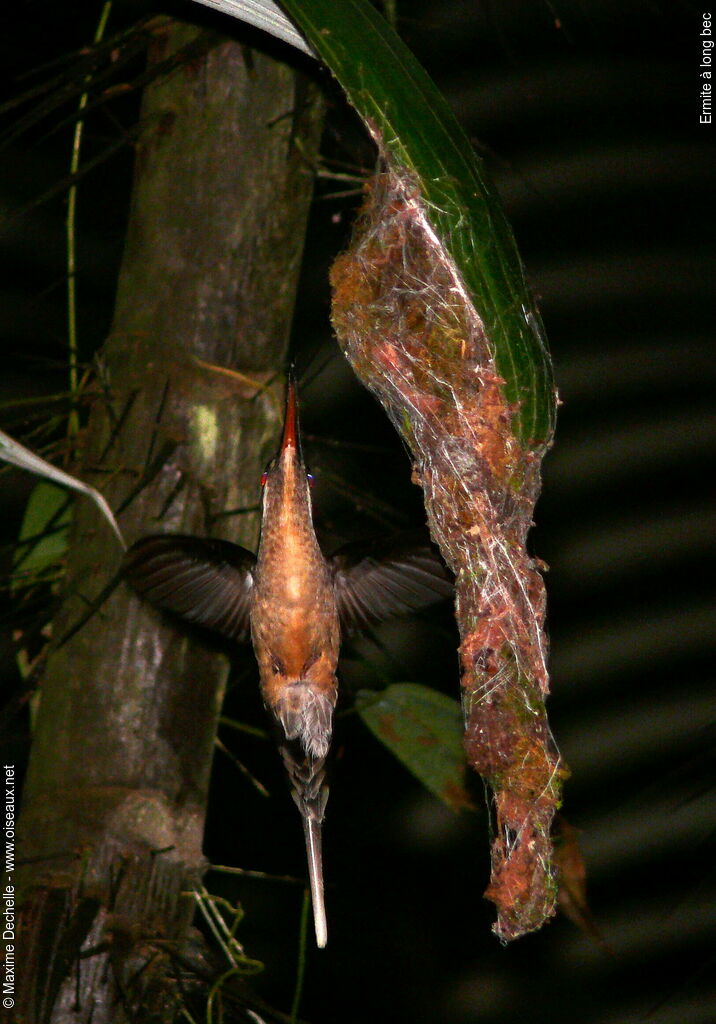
(312, 831)
(309, 788)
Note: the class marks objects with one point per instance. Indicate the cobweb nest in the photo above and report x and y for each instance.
(413, 336)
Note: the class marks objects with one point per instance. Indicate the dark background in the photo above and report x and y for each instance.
(587, 115)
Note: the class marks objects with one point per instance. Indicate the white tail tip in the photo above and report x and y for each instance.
(315, 873)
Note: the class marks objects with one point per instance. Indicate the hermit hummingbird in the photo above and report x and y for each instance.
(296, 604)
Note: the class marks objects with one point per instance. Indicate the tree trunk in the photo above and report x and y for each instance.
(114, 805)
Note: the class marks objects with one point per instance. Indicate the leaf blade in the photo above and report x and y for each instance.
(37, 549)
(17, 455)
(423, 729)
(400, 105)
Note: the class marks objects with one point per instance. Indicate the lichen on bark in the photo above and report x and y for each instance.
(411, 331)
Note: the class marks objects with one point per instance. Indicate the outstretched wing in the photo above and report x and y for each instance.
(204, 581)
(387, 578)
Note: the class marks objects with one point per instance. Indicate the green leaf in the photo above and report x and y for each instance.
(423, 728)
(418, 131)
(17, 455)
(43, 535)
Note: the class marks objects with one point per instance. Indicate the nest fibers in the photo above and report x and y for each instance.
(413, 336)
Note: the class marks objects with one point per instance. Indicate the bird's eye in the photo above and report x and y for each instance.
(264, 478)
(311, 479)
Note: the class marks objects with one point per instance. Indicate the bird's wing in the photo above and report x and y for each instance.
(387, 578)
(204, 581)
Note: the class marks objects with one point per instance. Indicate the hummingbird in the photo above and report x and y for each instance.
(296, 605)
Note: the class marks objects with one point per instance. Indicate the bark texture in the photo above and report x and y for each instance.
(112, 821)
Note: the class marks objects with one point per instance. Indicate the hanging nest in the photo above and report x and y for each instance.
(408, 326)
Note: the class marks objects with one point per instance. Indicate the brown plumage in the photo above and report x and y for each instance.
(295, 603)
